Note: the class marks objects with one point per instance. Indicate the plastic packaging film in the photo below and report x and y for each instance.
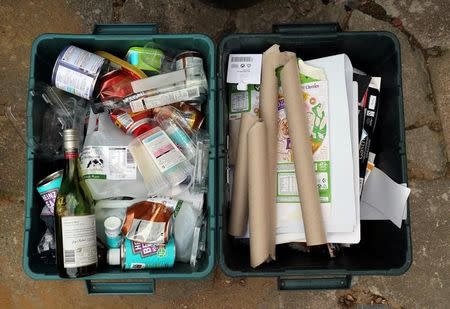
(239, 201)
(304, 170)
(258, 193)
(271, 60)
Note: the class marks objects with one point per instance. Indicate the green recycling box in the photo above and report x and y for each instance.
(384, 249)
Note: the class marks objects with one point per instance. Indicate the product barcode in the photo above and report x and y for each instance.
(241, 59)
(69, 256)
(130, 159)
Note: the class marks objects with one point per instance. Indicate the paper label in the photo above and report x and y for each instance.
(163, 151)
(188, 62)
(147, 231)
(74, 82)
(121, 164)
(79, 240)
(316, 103)
(165, 99)
(244, 69)
(372, 102)
(125, 120)
(167, 201)
(82, 60)
(107, 162)
(243, 101)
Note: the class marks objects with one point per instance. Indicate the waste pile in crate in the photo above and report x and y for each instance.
(301, 171)
(136, 159)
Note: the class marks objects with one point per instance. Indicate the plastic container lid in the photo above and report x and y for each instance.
(112, 225)
(113, 256)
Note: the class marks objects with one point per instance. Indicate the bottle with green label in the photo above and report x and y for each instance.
(75, 231)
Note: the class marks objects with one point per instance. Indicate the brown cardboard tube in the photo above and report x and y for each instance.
(303, 158)
(258, 193)
(233, 130)
(271, 60)
(239, 200)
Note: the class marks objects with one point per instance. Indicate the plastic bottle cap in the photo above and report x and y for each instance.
(113, 257)
(133, 58)
(112, 225)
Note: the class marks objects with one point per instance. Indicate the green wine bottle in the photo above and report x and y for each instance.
(76, 245)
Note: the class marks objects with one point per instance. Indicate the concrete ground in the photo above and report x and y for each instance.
(423, 28)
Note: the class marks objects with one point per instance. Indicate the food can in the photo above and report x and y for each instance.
(48, 189)
(76, 71)
(136, 255)
(192, 63)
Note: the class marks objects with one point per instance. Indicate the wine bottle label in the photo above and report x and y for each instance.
(107, 162)
(79, 240)
(163, 151)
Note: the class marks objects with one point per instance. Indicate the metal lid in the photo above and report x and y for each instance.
(71, 139)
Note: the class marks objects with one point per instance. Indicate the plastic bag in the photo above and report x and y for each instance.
(186, 219)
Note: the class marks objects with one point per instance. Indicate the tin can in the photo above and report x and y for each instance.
(76, 71)
(192, 63)
(136, 255)
(48, 189)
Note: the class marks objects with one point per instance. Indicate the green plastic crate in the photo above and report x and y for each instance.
(115, 39)
(384, 249)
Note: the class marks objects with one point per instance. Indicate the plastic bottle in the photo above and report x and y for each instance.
(160, 161)
(112, 231)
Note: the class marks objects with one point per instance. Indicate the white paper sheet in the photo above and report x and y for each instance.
(343, 110)
(384, 199)
(343, 210)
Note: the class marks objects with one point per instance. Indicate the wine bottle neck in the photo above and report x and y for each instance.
(71, 156)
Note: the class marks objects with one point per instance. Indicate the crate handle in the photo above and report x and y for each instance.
(120, 288)
(306, 28)
(332, 283)
(125, 29)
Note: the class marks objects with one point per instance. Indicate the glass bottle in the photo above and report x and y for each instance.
(76, 243)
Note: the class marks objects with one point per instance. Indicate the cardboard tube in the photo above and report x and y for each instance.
(239, 200)
(233, 130)
(259, 215)
(303, 159)
(271, 60)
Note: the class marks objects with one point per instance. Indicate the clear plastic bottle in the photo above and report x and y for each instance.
(161, 163)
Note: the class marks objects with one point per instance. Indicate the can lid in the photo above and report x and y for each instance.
(113, 257)
(112, 224)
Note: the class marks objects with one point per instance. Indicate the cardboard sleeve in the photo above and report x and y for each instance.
(303, 157)
(239, 199)
(271, 60)
(259, 204)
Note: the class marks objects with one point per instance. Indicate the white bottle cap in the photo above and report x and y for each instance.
(112, 225)
(113, 257)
